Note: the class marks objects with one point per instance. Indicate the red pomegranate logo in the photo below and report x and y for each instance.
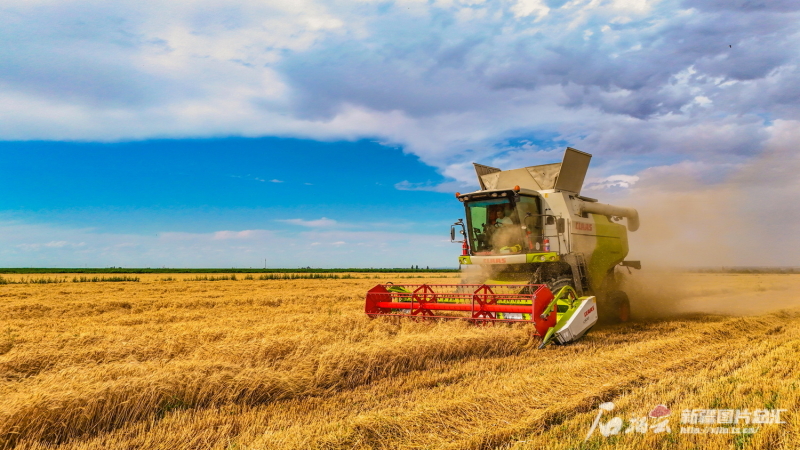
(659, 411)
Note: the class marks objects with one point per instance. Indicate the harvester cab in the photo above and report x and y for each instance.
(532, 250)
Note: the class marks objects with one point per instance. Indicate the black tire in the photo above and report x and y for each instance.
(618, 308)
(556, 285)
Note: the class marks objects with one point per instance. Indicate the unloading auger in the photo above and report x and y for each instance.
(552, 255)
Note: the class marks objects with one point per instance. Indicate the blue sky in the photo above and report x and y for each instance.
(321, 197)
(217, 134)
(232, 182)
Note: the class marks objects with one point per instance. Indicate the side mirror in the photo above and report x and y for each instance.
(561, 226)
(550, 220)
(462, 231)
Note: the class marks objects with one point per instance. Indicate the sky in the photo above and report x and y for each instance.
(334, 134)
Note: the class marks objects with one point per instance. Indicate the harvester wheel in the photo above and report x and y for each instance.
(556, 285)
(620, 307)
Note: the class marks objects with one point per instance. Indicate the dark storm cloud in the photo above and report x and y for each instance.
(77, 54)
(68, 75)
(400, 68)
(348, 78)
(626, 68)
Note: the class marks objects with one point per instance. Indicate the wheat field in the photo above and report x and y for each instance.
(179, 363)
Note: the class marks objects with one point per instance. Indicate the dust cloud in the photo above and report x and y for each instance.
(655, 294)
(479, 273)
(717, 215)
(722, 213)
(662, 294)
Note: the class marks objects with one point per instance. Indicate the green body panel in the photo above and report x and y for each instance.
(541, 257)
(610, 249)
(530, 258)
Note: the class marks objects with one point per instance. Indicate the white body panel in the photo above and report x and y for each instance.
(580, 322)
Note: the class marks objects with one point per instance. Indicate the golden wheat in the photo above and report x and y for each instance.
(251, 364)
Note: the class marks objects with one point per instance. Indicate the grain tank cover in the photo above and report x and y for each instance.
(568, 175)
(545, 175)
(573, 170)
(482, 170)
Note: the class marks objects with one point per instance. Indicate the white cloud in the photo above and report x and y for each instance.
(525, 8)
(323, 222)
(226, 235)
(451, 82)
(38, 246)
(429, 186)
(613, 181)
(26, 245)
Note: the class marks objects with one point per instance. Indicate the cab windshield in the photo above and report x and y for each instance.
(501, 226)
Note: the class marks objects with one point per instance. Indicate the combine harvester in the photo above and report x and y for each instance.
(536, 251)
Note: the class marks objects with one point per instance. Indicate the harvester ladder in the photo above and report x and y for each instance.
(579, 273)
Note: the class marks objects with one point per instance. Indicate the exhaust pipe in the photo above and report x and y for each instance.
(610, 210)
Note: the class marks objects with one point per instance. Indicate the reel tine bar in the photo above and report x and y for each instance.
(478, 303)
